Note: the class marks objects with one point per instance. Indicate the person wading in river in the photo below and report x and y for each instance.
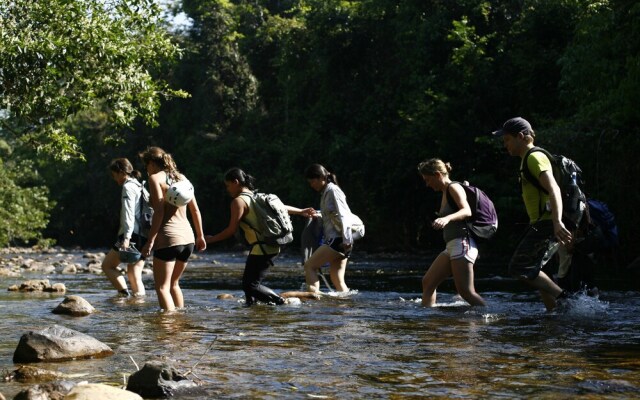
(461, 251)
(170, 236)
(124, 175)
(240, 187)
(544, 211)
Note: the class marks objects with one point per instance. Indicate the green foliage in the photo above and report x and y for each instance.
(24, 202)
(59, 57)
(368, 88)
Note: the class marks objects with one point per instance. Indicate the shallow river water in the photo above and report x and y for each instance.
(377, 343)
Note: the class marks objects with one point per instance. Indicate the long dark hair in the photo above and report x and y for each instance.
(245, 179)
(124, 165)
(317, 171)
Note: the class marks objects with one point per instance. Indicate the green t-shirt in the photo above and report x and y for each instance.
(535, 200)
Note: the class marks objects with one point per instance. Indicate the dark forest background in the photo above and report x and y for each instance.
(369, 89)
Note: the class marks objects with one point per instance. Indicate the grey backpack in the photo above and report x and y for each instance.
(274, 225)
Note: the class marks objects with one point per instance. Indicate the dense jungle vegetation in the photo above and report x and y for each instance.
(368, 88)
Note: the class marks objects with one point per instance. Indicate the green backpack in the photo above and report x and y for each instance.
(274, 225)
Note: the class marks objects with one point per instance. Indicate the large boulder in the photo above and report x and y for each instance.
(98, 391)
(74, 305)
(160, 380)
(57, 343)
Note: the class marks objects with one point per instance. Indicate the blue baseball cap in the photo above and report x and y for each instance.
(514, 126)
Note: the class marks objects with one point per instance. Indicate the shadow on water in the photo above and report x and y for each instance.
(378, 343)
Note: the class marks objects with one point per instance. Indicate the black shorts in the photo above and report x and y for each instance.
(336, 244)
(181, 253)
(138, 241)
(529, 258)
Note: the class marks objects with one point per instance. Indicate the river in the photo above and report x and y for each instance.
(377, 344)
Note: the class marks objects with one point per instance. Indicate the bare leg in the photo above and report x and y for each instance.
(324, 254)
(337, 268)
(134, 273)
(439, 270)
(549, 291)
(176, 292)
(462, 271)
(162, 273)
(109, 265)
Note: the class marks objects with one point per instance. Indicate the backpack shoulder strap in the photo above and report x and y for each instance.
(527, 172)
(450, 200)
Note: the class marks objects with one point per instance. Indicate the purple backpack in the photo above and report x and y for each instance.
(483, 222)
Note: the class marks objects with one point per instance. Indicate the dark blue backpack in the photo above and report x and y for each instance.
(483, 223)
(604, 223)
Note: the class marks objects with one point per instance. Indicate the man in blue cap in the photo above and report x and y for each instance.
(544, 208)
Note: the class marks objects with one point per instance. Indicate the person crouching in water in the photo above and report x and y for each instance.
(124, 175)
(240, 187)
(461, 252)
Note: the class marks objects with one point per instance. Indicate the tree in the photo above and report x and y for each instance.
(59, 57)
(24, 199)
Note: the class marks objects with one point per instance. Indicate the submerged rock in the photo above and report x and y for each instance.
(26, 373)
(57, 343)
(75, 306)
(158, 379)
(46, 391)
(38, 285)
(98, 391)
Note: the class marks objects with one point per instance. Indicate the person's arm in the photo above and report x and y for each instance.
(196, 217)
(308, 212)
(459, 196)
(548, 182)
(128, 213)
(156, 197)
(238, 209)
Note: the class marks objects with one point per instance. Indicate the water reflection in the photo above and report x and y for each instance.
(379, 343)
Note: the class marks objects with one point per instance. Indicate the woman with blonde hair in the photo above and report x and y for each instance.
(170, 236)
(461, 252)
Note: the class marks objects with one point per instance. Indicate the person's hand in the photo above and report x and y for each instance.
(309, 212)
(562, 234)
(125, 244)
(146, 249)
(201, 244)
(439, 223)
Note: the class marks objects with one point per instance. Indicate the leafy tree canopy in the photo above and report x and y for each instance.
(59, 57)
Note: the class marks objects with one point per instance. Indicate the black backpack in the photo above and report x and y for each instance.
(483, 223)
(568, 176)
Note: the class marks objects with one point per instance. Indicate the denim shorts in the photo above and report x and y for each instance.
(336, 244)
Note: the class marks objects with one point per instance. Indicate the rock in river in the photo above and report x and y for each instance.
(57, 343)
